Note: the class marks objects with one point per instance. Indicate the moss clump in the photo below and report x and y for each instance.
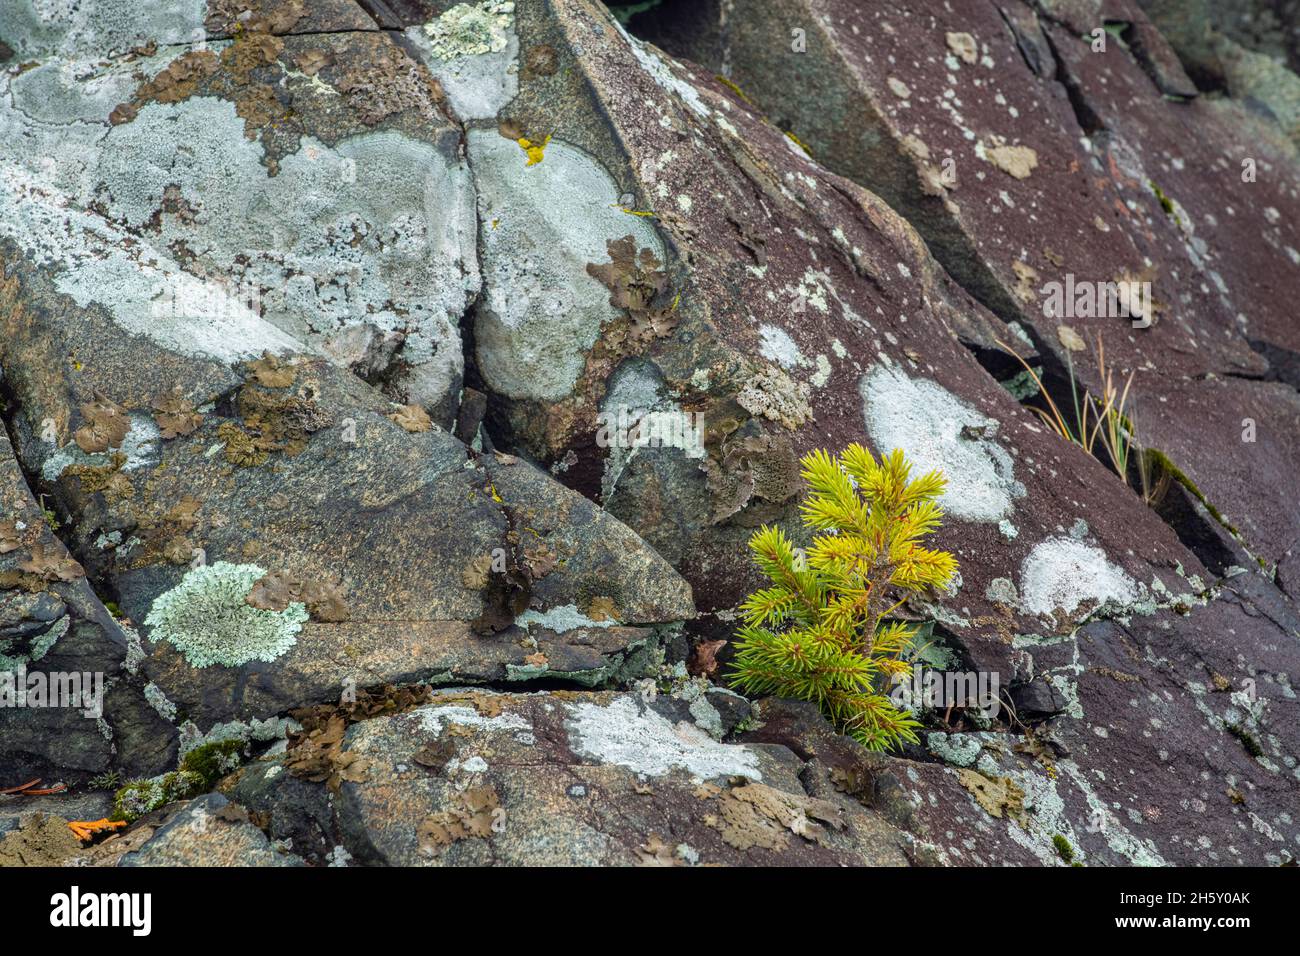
(1063, 848)
(144, 796)
(212, 760)
(1247, 739)
(1166, 203)
(199, 771)
(1161, 463)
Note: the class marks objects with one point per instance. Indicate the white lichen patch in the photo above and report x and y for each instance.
(560, 619)
(435, 717)
(103, 28)
(541, 226)
(1064, 573)
(30, 650)
(473, 51)
(776, 345)
(206, 618)
(937, 430)
(630, 735)
(664, 76)
(96, 261)
(159, 701)
(352, 250)
(349, 249)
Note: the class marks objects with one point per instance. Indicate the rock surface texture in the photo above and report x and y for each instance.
(390, 391)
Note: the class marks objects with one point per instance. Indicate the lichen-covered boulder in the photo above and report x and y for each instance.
(363, 348)
(206, 831)
(70, 705)
(227, 196)
(564, 779)
(236, 361)
(1034, 155)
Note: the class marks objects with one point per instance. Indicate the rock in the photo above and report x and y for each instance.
(71, 706)
(1129, 184)
(208, 831)
(569, 778)
(40, 840)
(343, 224)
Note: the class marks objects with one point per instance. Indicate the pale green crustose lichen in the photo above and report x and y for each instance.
(470, 30)
(206, 618)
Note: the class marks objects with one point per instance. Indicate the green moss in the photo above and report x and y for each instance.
(1166, 203)
(1161, 463)
(144, 796)
(1063, 848)
(199, 771)
(1247, 739)
(212, 761)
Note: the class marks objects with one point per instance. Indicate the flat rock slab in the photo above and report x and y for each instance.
(569, 779)
(208, 831)
(1033, 160)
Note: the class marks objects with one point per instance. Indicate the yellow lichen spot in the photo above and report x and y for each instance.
(636, 212)
(734, 88)
(535, 151)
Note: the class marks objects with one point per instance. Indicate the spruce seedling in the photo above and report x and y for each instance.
(821, 631)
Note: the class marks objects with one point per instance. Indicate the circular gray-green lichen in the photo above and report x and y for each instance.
(206, 618)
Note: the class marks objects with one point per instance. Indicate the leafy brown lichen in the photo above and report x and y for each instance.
(174, 414)
(411, 418)
(51, 564)
(472, 813)
(244, 448)
(755, 815)
(324, 599)
(106, 425)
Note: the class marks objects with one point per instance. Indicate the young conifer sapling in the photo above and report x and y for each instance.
(822, 632)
